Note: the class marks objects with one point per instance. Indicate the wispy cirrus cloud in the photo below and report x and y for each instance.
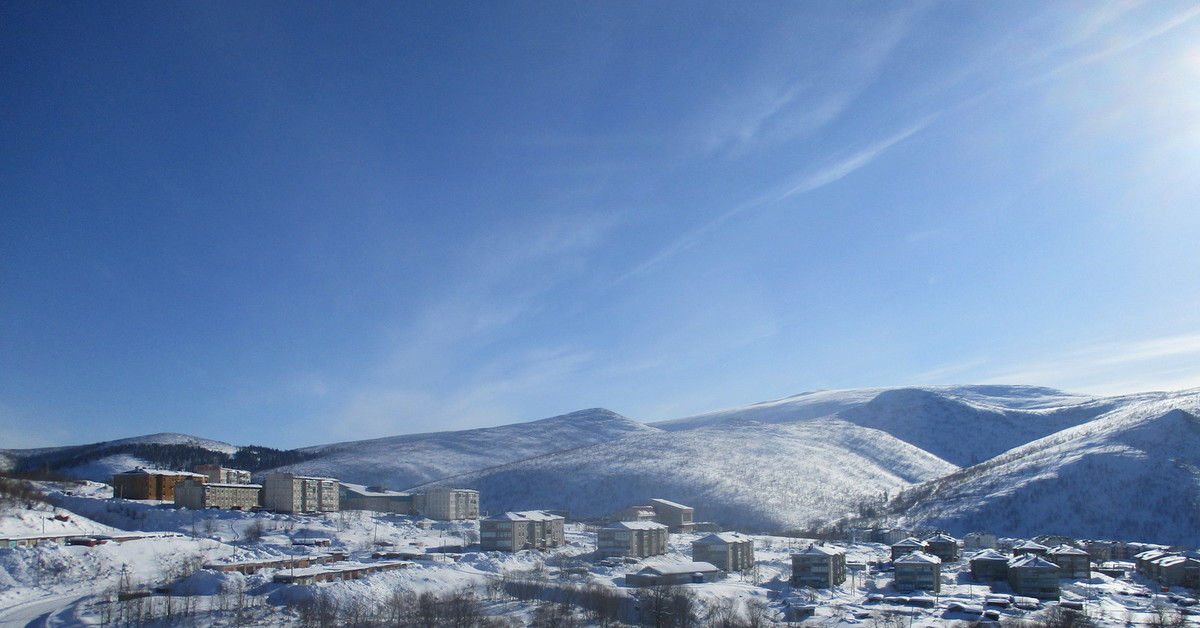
(802, 89)
(809, 180)
(1166, 363)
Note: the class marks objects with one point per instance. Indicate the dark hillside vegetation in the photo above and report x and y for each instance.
(167, 456)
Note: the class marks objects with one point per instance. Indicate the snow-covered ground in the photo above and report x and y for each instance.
(68, 585)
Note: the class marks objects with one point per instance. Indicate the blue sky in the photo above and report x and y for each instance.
(296, 223)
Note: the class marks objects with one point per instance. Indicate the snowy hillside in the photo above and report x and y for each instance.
(1132, 473)
(98, 461)
(985, 420)
(752, 475)
(968, 429)
(404, 461)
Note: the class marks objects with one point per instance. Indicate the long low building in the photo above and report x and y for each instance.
(336, 572)
(288, 562)
(375, 499)
(674, 573)
(200, 495)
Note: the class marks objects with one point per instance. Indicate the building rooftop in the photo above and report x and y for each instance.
(673, 569)
(990, 555)
(718, 538)
(1067, 550)
(821, 550)
(372, 491)
(636, 525)
(525, 515)
(909, 542)
(669, 504)
(1031, 561)
(145, 471)
(918, 558)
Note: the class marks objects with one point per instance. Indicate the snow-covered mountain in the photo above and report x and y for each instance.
(985, 420)
(98, 461)
(748, 475)
(1132, 473)
(404, 461)
(1017, 460)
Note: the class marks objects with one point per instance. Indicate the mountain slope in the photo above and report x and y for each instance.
(98, 461)
(404, 461)
(1132, 473)
(749, 475)
(986, 420)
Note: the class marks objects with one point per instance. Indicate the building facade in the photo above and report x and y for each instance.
(674, 573)
(449, 504)
(943, 546)
(223, 475)
(819, 566)
(675, 516)
(513, 531)
(918, 571)
(907, 546)
(143, 483)
(1033, 576)
(980, 540)
(730, 551)
(288, 492)
(631, 538)
(989, 566)
(1072, 562)
(375, 499)
(197, 495)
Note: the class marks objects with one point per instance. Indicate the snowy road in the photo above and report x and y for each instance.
(42, 612)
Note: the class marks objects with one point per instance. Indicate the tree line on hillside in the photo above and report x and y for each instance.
(168, 456)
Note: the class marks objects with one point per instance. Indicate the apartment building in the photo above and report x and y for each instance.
(631, 538)
(198, 495)
(449, 504)
(288, 492)
(729, 551)
(513, 531)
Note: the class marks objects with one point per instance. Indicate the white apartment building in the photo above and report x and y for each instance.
(199, 495)
(288, 492)
(450, 504)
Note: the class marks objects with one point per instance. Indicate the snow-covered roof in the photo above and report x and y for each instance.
(942, 538)
(989, 555)
(1031, 546)
(821, 550)
(909, 542)
(674, 569)
(637, 525)
(145, 471)
(1169, 561)
(369, 491)
(1149, 555)
(670, 504)
(1067, 550)
(1031, 561)
(524, 515)
(719, 538)
(918, 558)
